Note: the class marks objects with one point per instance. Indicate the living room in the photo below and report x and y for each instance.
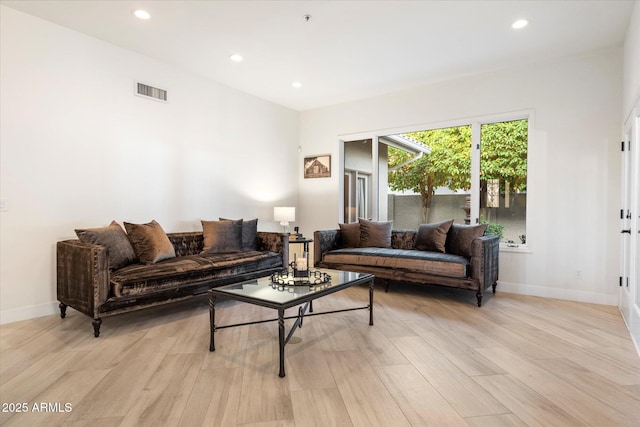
(79, 149)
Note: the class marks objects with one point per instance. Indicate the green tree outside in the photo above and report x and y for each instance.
(504, 153)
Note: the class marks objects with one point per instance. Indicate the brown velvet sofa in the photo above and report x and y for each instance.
(86, 283)
(402, 261)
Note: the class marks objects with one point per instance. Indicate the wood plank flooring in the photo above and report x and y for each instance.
(432, 358)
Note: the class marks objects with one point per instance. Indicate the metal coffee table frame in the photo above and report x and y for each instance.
(305, 301)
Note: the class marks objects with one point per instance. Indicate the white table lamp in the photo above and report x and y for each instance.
(284, 214)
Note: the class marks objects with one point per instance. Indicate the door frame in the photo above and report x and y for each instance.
(629, 301)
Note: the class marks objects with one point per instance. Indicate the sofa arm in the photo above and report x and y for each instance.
(275, 242)
(485, 256)
(323, 242)
(82, 276)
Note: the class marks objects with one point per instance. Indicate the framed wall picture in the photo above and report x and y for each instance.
(317, 166)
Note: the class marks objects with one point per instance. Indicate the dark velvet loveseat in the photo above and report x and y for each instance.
(88, 282)
(443, 254)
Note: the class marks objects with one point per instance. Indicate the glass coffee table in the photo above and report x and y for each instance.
(267, 293)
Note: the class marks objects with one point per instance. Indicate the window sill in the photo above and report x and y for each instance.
(510, 247)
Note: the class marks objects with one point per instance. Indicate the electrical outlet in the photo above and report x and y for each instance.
(578, 274)
(4, 205)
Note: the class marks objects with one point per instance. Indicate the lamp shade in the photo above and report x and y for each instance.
(284, 214)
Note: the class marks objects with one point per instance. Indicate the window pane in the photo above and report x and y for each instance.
(434, 187)
(503, 179)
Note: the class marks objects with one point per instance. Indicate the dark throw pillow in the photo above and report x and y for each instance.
(114, 238)
(460, 237)
(249, 234)
(375, 234)
(432, 237)
(150, 242)
(350, 234)
(222, 236)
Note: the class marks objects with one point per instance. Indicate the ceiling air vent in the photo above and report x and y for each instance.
(151, 92)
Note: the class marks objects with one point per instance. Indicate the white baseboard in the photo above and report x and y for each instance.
(566, 294)
(28, 312)
(632, 320)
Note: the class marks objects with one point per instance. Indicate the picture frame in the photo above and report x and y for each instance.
(317, 166)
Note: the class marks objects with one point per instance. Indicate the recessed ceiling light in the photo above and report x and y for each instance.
(235, 57)
(297, 85)
(520, 23)
(142, 14)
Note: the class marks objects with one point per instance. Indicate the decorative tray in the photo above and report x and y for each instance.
(290, 278)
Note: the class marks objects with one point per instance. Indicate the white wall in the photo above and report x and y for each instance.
(631, 91)
(574, 163)
(78, 149)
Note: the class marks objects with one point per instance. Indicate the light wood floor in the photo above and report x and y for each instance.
(432, 358)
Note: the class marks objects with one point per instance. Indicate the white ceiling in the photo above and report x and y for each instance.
(349, 49)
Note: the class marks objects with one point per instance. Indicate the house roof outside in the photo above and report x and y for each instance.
(403, 142)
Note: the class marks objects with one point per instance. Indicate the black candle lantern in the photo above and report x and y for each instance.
(301, 265)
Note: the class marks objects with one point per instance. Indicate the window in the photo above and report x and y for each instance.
(362, 196)
(473, 173)
(503, 179)
(441, 179)
(357, 180)
(356, 196)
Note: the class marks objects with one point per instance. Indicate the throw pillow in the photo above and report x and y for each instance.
(222, 236)
(460, 236)
(114, 239)
(375, 234)
(249, 234)
(350, 234)
(432, 237)
(150, 242)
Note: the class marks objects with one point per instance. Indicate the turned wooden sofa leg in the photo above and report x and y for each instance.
(96, 326)
(387, 283)
(479, 297)
(63, 310)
